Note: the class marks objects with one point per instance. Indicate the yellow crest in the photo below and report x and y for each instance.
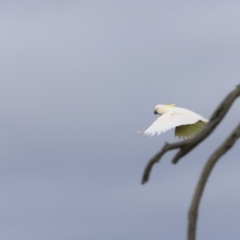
(170, 105)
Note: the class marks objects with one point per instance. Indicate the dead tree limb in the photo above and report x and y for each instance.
(187, 145)
(221, 150)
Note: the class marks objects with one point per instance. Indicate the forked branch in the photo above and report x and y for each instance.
(187, 145)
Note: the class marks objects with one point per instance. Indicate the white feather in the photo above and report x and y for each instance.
(174, 117)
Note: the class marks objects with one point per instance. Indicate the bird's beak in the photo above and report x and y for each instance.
(155, 112)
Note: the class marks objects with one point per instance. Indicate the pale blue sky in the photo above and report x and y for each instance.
(77, 78)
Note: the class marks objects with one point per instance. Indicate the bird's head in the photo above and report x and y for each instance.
(161, 109)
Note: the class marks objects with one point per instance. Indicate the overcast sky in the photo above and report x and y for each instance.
(77, 79)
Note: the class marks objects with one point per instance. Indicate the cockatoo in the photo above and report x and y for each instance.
(186, 123)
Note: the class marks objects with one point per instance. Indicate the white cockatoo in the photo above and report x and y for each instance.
(186, 123)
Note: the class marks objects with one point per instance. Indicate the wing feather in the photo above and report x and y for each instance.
(190, 130)
(173, 118)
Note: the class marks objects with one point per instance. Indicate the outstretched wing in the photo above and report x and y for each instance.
(173, 118)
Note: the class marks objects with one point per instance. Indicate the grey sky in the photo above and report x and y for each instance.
(77, 78)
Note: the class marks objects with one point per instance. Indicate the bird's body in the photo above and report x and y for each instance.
(186, 123)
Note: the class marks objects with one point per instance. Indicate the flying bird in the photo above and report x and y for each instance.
(186, 123)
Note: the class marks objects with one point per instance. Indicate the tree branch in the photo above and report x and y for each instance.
(193, 211)
(156, 158)
(187, 145)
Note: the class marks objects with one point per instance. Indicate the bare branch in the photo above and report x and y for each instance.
(193, 211)
(187, 145)
(158, 156)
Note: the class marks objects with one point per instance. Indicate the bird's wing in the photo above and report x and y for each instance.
(173, 118)
(190, 130)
